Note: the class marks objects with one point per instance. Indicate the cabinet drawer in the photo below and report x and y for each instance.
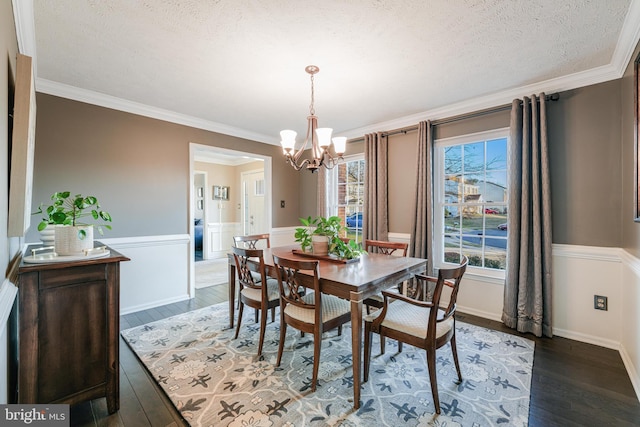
(72, 276)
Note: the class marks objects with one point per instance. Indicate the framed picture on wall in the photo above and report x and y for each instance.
(636, 131)
(220, 192)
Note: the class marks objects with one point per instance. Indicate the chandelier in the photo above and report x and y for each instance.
(320, 140)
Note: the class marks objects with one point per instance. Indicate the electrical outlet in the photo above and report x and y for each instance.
(600, 302)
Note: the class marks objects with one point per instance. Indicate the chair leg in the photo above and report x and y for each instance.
(399, 346)
(256, 315)
(454, 350)
(382, 343)
(273, 314)
(317, 343)
(240, 310)
(431, 364)
(263, 327)
(340, 330)
(283, 333)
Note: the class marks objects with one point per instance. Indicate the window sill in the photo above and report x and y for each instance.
(479, 277)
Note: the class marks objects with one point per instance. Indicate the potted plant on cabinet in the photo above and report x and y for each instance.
(321, 236)
(73, 235)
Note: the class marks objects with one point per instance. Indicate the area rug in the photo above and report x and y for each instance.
(214, 380)
(211, 272)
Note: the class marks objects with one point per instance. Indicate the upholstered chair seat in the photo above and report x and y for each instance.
(332, 307)
(256, 294)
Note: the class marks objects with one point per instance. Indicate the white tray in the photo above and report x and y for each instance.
(49, 257)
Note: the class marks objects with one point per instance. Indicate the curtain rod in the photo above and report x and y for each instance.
(466, 116)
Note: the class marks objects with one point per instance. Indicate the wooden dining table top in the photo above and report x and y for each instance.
(366, 275)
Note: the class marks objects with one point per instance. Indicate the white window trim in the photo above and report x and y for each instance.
(488, 274)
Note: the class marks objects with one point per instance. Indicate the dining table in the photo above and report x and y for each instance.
(354, 281)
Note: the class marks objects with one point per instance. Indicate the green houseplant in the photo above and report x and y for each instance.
(74, 218)
(326, 233)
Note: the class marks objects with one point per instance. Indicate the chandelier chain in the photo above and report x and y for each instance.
(312, 109)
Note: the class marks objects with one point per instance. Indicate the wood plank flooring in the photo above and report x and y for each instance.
(573, 383)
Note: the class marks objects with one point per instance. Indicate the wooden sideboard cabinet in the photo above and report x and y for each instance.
(68, 331)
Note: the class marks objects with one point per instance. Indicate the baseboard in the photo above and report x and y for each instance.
(631, 370)
(586, 338)
(479, 313)
(154, 304)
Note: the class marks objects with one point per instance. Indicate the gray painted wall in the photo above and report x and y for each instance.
(138, 167)
(585, 158)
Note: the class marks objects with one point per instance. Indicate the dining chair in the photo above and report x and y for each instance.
(261, 295)
(253, 241)
(312, 312)
(421, 322)
(386, 248)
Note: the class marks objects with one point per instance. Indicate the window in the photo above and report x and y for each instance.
(259, 188)
(345, 194)
(470, 201)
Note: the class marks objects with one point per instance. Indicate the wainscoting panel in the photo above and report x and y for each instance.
(283, 236)
(157, 273)
(7, 297)
(630, 329)
(221, 238)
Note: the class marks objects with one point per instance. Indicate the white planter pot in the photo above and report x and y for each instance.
(320, 245)
(48, 235)
(70, 241)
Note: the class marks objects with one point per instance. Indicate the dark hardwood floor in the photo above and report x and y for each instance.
(573, 384)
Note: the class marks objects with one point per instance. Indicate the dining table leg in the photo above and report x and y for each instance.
(356, 345)
(232, 292)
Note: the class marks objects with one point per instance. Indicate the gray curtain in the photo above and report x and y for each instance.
(527, 292)
(421, 243)
(376, 217)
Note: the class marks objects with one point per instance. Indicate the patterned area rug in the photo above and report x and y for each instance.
(212, 272)
(214, 380)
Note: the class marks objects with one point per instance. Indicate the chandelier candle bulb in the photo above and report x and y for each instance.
(324, 137)
(340, 144)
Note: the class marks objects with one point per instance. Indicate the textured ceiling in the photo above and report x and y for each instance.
(238, 65)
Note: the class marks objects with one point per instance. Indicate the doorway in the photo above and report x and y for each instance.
(236, 192)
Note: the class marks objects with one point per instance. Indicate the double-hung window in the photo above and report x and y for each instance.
(470, 201)
(345, 194)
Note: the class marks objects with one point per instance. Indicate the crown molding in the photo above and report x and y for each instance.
(628, 38)
(25, 29)
(108, 101)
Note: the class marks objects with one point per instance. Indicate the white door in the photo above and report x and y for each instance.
(253, 203)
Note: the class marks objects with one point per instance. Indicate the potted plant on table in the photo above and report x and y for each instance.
(321, 236)
(68, 214)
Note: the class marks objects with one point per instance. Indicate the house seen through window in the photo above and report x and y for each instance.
(346, 193)
(470, 200)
